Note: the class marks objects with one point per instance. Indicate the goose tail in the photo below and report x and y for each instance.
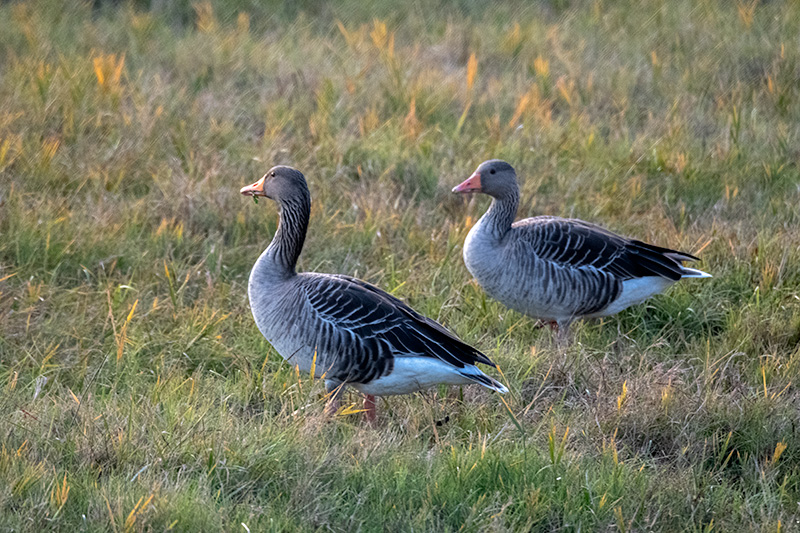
(473, 373)
(694, 273)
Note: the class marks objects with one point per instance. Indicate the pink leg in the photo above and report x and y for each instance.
(562, 335)
(369, 408)
(334, 390)
(332, 407)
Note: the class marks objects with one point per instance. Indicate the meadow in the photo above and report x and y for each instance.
(136, 393)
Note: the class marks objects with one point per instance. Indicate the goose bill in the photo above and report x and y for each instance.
(471, 184)
(256, 189)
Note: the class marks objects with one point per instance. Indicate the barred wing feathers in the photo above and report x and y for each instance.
(369, 328)
(578, 244)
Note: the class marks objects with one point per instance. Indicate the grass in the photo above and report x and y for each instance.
(137, 394)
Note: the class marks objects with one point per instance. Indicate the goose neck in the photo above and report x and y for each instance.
(501, 214)
(280, 258)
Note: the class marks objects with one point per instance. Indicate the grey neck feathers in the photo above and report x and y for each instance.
(280, 258)
(501, 213)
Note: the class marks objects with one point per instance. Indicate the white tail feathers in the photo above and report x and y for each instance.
(694, 273)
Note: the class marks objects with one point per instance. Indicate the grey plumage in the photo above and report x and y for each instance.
(350, 331)
(558, 269)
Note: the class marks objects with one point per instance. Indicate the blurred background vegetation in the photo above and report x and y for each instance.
(137, 393)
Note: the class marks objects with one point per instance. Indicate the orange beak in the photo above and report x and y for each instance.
(471, 184)
(256, 189)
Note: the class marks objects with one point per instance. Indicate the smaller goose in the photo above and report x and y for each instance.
(351, 332)
(558, 269)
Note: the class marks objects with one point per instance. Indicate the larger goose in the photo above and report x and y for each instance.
(346, 329)
(558, 269)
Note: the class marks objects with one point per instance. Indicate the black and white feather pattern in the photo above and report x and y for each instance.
(583, 265)
(575, 243)
(368, 329)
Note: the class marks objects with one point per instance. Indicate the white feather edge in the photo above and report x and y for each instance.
(694, 273)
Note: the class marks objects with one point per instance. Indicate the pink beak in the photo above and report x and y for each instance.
(471, 184)
(256, 189)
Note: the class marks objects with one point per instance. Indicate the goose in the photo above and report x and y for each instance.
(348, 331)
(559, 269)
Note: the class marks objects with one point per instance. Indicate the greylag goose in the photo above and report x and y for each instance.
(352, 333)
(558, 269)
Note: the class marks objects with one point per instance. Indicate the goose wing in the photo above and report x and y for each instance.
(577, 244)
(368, 327)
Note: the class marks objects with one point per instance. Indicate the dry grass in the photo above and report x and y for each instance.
(137, 393)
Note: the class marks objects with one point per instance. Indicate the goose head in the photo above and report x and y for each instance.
(493, 177)
(281, 183)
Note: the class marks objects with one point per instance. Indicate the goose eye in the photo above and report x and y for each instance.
(272, 174)
(492, 171)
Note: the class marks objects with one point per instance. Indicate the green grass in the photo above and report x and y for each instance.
(136, 392)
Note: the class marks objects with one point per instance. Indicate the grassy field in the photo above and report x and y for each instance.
(136, 393)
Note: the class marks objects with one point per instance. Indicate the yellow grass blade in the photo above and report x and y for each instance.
(351, 409)
(472, 70)
(621, 398)
(74, 398)
(313, 365)
(98, 71)
(541, 66)
(780, 447)
(522, 105)
(133, 309)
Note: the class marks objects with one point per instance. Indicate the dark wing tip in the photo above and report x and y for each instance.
(682, 256)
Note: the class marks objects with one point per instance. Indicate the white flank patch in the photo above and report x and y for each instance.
(412, 374)
(635, 291)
